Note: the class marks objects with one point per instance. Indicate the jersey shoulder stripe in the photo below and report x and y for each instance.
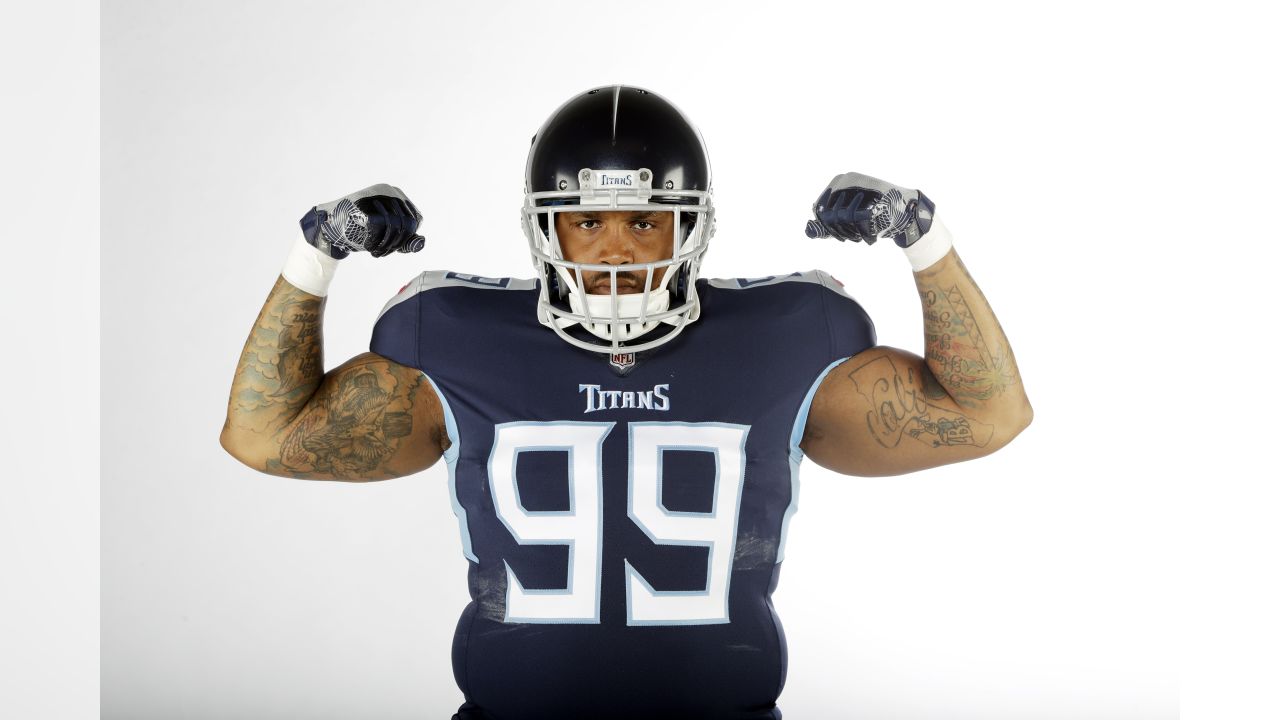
(432, 279)
(812, 294)
(816, 277)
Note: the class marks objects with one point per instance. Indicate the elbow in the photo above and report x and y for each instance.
(1022, 417)
(237, 447)
(232, 448)
(1012, 425)
(225, 440)
(262, 455)
(228, 440)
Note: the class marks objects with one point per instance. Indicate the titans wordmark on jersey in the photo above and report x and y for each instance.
(624, 517)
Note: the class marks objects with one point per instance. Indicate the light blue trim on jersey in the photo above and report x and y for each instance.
(515, 460)
(570, 542)
(629, 572)
(715, 483)
(450, 278)
(451, 460)
(662, 508)
(796, 454)
(744, 283)
(431, 279)
(716, 511)
(816, 277)
(715, 487)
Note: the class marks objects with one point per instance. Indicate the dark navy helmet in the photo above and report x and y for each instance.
(618, 148)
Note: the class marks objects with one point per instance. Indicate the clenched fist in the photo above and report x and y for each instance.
(379, 220)
(861, 208)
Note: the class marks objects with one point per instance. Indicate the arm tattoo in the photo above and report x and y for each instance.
(352, 426)
(899, 408)
(965, 363)
(282, 361)
(300, 348)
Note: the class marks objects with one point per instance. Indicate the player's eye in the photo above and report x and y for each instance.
(588, 224)
(643, 225)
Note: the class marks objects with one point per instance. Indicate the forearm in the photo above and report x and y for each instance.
(966, 349)
(280, 367)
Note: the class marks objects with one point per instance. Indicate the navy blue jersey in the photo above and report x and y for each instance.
(624, 517)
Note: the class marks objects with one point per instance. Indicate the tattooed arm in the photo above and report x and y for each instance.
(367, 419)
(886, 411)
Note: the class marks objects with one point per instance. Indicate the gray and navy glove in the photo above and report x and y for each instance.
(861, 208)
(378, 219)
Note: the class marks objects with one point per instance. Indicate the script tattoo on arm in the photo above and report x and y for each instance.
(900, 408)
(282, 362)
(352, 425)
(970, 367)
(889, 411)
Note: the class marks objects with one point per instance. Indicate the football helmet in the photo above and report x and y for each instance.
(618, 148)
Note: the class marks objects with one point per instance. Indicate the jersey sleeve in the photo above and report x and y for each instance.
(851, 328)
(395, 334)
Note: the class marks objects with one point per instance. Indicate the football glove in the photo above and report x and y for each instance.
(379, 220)
(861, 208)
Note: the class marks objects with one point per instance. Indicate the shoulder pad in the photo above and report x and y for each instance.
(432, 279)
(817, 277)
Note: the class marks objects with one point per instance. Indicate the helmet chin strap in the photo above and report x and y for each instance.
(600, 309)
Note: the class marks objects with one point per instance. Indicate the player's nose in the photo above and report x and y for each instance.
(617, 246)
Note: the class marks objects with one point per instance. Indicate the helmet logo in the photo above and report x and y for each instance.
(601, 186)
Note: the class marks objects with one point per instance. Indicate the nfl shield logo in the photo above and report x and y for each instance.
(622, 361)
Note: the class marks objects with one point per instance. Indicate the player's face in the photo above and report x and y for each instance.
(616, 238)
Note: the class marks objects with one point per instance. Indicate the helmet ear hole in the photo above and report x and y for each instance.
(553, 283)
(687, 222)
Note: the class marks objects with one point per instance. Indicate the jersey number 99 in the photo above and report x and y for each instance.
(581, 526)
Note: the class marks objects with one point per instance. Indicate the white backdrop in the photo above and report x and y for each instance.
(1071, 150)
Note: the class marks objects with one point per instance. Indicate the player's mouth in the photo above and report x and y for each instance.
(626, 286)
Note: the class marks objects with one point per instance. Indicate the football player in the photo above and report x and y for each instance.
(623, 465)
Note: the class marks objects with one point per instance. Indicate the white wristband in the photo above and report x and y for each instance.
(310, 270)
(930, 248)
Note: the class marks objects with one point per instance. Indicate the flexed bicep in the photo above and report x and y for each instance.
(370, 419)
(882, 412)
